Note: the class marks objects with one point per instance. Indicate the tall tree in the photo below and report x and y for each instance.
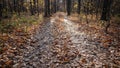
(21, 5)
(106, 10)
(106, 13)
(63, 7)
(68, 7)
(0, 11)
(47, 8)
(55, 6)
(79, 6)
(14, 3)
(34, 6)
(37, 6)
(97, 8)
(31, 8)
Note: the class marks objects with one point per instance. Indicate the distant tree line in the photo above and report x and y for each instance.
(102, 9)
(9, 7)
(48, 7)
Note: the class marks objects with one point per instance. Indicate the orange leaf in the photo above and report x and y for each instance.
(9, 62)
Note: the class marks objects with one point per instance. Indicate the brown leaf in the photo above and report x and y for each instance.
(5, 48)
(9, 62)
(56, 42)
(83, 60)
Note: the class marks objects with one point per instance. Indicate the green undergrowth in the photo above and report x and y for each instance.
(117, 19)
(19, 22)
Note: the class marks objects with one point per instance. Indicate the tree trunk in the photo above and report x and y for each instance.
(55, 6)
(38, 7)
(106, 13)
(14, 3)
(68, 7)
(31, 8)
(106, 10)
(34, 6)
(0, 11)
(79, 6)
(47, 8)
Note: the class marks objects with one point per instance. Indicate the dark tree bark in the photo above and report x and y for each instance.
(37, 7)
(47, 8)
(52, 6)
(106, 10)
(68, 7)
(106, 13)
(97, 8)
(72, 6)
(31, 8)
(55, 6)
(79, 6)
(14, 3)
(86, 12)
(10, 6)
(0, 11)
(21, 5)
(34, 6)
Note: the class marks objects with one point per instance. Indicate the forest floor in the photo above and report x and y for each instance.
(61, 42)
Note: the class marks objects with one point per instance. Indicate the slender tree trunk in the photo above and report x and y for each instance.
(47, 8)
(97, 8)
(18, 7)
(79, 6)
(46, 14)
(34, 6)
(38, 7)
(10, 7)
(68, 7)
(21, 5)
(86, 13)
(31, 8)
(106, 10)
(106, 13)
(14, 3)
(0, 11)
(55, 6)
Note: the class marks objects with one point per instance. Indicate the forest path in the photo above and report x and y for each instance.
(60, 44)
